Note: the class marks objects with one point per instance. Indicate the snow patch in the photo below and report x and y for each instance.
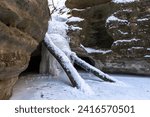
(148, 49)
(127, 10)
(114, 18)
(127, 41)
(74, 28)
(137, 47)
(78, 9)
(147, 56)
(123, 33)
(75, 19)
(144, 19)
(124, 1)
(92, 50)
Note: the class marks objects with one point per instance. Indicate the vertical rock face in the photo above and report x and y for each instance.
(129, 26)
(119, 33)
(130, 29)
(23, 24)
(92, 32)
(82, 4)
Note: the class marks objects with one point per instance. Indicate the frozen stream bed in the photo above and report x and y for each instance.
(38, 87)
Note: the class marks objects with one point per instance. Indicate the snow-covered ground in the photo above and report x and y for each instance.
(35, 86)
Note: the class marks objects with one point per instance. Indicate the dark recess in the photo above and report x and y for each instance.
(34, 65)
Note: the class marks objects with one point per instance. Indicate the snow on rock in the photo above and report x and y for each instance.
(92, 50)
(148, 48)
(123, 1)
(123, 33)
(113, 18)
(147, 56)
(144, 19)
(75, 9)
(127, 41)
(74, 28)
(75, 19)
(136, 48)
(127, 10)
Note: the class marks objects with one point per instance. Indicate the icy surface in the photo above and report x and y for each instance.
(57, 31)
(57, 40)
(81, 85)
(35, 86)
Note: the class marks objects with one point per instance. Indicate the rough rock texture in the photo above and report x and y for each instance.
(93, 33)
(23, 24)
(123, 29)
(84, 3)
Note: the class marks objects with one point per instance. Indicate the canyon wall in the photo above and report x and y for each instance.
(116, 36)
(23, 24)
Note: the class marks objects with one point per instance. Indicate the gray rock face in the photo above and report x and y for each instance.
(93, 33)
(130, 30)
(23, 24)
(123, 29)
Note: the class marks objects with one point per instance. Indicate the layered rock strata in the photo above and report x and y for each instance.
(116, 34)
(23, 24)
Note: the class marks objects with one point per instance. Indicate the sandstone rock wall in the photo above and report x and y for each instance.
(23, 24)
(93, 33)
(82, 4)
(120, 34)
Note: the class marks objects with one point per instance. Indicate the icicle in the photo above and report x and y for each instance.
(49, 64)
